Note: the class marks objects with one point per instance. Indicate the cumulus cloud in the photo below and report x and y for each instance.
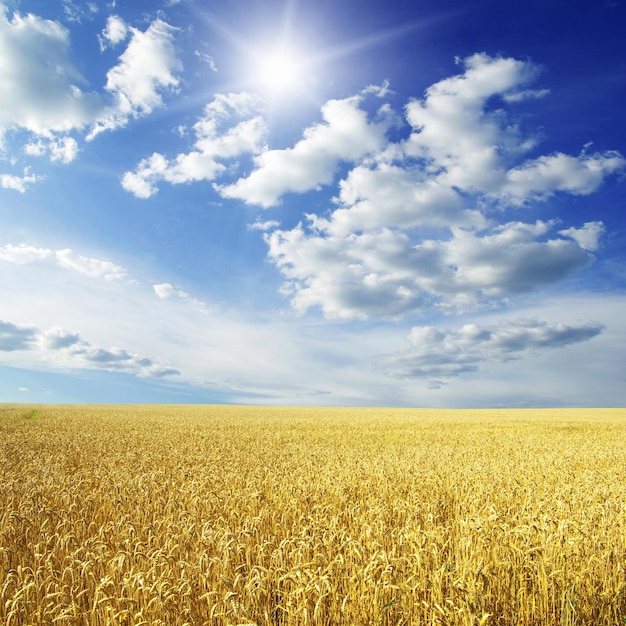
(384, 273)
(414, 224)
(114, 33)
(58, 338)
(41, 83)
(394, 196)
(587, 237)
(346, 134)
(67, 259)
(68, 349)
(229, 127)
(147, 67)
(470, 144)
(437, 353)
(44, 93)
(63, 149)
(540, 178)
(462, 142)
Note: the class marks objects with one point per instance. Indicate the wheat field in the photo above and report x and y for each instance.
(229, 515)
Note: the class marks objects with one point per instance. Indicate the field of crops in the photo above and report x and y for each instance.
(265, 516)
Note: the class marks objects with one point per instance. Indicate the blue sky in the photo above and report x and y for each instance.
(329, 203)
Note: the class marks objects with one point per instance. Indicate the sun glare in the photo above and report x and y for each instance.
(279, 71)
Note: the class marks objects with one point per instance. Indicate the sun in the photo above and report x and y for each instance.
(279, 70)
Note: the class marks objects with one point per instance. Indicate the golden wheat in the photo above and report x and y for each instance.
(293, 516)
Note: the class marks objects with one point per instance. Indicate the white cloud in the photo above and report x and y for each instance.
(114, 33)
(23, 253)
(462, 143)
(383, 273)
(381, 91)
(587, 237)
(141, 182)
(18, 183)
(394, 196)
(41, 92)
(414, 226)
(473, 148)
(147, 67)
(36, 148)
(540, 178)
(63, 149)
(229, 127)
(57, 338)
(507, 260)
(345, 135)
(437, 353)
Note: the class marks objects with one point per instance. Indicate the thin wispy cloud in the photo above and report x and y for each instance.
(67, 259)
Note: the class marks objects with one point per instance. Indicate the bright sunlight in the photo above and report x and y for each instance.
(280, 71)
